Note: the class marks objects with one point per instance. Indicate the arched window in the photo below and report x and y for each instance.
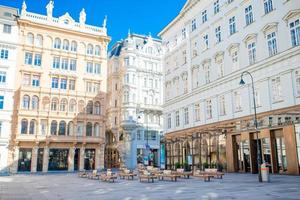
(89, 108)
(39, 40)
(70, 128)
(89, 129)
(63, 105)
(72, 105)
(26, 102)
(53, 127)
(57, 43)
(62, 128)
(81, 106)
(97, 130)
(54, 104)
(97, 110)
(24, 126)
(30, 38)
(74, 46)
(66, 45)
(35, 103)
(32, 127)
(46, 102)
(97, 50)
(90, 49)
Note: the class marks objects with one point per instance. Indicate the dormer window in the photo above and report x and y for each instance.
(66, 21)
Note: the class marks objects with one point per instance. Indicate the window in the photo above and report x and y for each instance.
(295, 32)
(32, 127)
(208, 109)
(54, 104)
(90, 49)
(1, 102)
(252, 52)
(177, 119)
(222, 105)
(207, 74)
(63, 105)
(138, 135)
(39, 40)
(30, 39)
(73, 46)
(169, 121)
(37, 59)
(54, 83)
(63, 84)
(268, 5)
(153, 135)
(35, 103)
(89, 108)
(257, 97)
(64, 64)
(89, 87)
(97, 68)
(4, 54)
(6, 28)
(66, 45)
(232, 26)
(26, 102)
(53, 129)
(43, 126)
(26, 79)
(97, 50)
(89, 129)
(126, 97)
(183, 33)
(72, 105)
(216, 7)
(56, 63)
(0, 128)
(237, 101)
(272, 44)
(97, 130)
(73, 64)
(24, 126)
(194, 24)
(186, 116)
(72, 84)
(89, 68)
(80, 127)
(218, 34)
(96, 88)
(35, 81)
(204, 16)
(62, 128)
(249, 15)
(57, 43)
(276, 89)
(235, 60)
(97, 109)
(28, 58)
(126, 61)
(2, 77)
(205, 39)
(197, 112)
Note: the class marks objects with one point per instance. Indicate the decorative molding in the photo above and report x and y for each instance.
(270, 26)
(291, 14)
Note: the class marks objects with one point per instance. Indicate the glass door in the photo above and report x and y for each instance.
(24, 162)
(39, 166)
(89, 159)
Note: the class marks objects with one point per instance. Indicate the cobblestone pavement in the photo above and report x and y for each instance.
(69, 186)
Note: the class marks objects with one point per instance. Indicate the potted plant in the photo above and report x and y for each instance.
(177, 165)
(205, 165)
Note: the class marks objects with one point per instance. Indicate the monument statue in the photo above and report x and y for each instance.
(49, 8)
(82, 17)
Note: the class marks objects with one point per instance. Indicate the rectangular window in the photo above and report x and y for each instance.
(89, 87)
(63, 84)
(65, 64)
(249, 15)
(2, 77)
(205, 39)
(6, 28)
(97, 68)
(295, 32)
(37, 59)
(194, 24)
(73, 65)
(72, 84)
(268, 5)
(4, 54)
(186, 116)
(237, 101)
(232, 26)
(177, 119)
(138, 135)
(276, 89)
(169, 121)
(0, 129)
(298, 84)
(207, 74)
(28, 58)
(204, 16)
(26, 79)
(35, 81)
(252, 52)
(89, 68)
(56, 63)
(222, 105)
(208, 109)
(54, 83)
(218, 34)
(126, 62)
(1, 102)
(272, 44)
(235, 60)
(96, 88)
(153, 135)
(216, 7)
(197, 112)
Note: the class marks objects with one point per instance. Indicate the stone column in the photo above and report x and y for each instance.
(71, 159)
(34, 159)
(98, 158)
(81, 162)
(46, 159)
(14, 166)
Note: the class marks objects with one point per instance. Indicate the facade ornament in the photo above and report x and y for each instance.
(24, 7)
(49, 8)
(82, 17)
(104, 22)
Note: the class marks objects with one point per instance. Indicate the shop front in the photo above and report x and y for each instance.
(58, 159)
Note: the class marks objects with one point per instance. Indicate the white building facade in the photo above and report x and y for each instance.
(135, 99)
(208, 46)
(8, 58)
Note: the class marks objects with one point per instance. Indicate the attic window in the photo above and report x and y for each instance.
(66, 21)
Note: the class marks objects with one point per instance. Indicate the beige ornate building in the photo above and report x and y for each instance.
(60, 97)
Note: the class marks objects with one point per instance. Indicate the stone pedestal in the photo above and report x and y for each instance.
(71, 159)
(34, 159)
(46, 159)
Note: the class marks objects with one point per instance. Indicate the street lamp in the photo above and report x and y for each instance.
(242, 82)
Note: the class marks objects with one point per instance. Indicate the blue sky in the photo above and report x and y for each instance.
(141, 16)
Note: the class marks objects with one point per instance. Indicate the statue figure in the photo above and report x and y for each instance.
(104, 22)
(82, 17)
(49, 8)
(24, 7)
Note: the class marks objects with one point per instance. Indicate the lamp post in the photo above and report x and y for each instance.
(242, 82)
